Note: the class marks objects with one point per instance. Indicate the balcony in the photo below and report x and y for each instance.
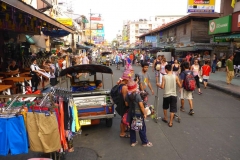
(44, 5)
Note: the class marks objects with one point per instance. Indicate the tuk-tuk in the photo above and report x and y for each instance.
(93, 104)
(105, 58)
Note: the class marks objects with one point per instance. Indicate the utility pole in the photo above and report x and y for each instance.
(90, 27)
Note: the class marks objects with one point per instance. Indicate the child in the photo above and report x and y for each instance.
(136, 115)
(219, 64)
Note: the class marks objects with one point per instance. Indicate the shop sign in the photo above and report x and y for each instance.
(220, 25)
(65, 21)
(226, 38)
(201, 6)
(99, 26)
(236, 22)
(95, 18)
(143, 30)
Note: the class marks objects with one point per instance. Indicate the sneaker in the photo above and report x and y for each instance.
(182, 109)
(191, 112)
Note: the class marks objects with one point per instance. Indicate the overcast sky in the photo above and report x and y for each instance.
(115, 11)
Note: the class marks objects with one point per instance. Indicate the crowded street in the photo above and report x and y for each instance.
(119, 80)
(211, 133)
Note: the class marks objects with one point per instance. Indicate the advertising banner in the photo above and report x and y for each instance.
(220, 25)
(99, 26)
(95, 18)
(201, 6)
(150, 39)
(65, 21)
(143, 30)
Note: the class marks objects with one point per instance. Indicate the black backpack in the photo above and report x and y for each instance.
(115, 93)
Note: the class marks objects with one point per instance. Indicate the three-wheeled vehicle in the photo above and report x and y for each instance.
(93, 103)
(105, 58)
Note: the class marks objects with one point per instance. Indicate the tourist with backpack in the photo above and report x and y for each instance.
(118, 94)
(188, 86)
(136, 115)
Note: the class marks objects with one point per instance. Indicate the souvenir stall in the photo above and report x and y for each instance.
(46, 124)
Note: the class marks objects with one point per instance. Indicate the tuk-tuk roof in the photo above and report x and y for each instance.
(91, 68)
(105, 53)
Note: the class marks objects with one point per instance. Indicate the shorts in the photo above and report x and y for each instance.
(170, 102)
(13, 136)
(157, 73)
(186, 94)
(205, 80)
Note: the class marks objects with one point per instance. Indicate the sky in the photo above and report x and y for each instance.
(114, 12)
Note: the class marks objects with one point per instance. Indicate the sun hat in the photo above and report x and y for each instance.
(132, 86)
(126, 75)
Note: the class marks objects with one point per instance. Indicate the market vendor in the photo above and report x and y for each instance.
(34, 72)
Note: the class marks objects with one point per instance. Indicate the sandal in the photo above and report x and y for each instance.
(164, 120)
(199, 93)
(170, 125)
(125, 136)
(134, 144)
(149, 144)
(182, 109)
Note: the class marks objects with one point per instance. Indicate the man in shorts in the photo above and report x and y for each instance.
(184, 93)
(170, 94)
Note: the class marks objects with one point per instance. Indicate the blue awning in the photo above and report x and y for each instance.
(55, 33)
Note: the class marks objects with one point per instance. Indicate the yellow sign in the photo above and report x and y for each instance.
(65, 21)
(93, 32)
(201, 6)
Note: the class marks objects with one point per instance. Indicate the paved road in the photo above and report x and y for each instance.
(212, 133)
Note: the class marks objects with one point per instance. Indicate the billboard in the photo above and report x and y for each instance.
(65, 21)
(201, 6)
(95, 18)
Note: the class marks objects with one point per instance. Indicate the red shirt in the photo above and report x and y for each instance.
(206, 69)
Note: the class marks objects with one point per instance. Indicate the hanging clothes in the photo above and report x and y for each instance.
(43, 132)
(13, 136)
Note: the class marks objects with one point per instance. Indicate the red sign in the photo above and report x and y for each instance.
(99, 26)
(201, 1)
(95, 18)
(236, 22)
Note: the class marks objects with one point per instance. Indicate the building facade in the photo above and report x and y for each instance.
(133, 29)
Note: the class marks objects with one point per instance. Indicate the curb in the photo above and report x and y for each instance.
(225, 90)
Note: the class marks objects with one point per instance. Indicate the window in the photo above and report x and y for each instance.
(185, 29)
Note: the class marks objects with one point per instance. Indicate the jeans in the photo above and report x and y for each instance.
(142, 134)
(213, 67)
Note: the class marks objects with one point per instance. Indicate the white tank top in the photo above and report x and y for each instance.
(195, 70)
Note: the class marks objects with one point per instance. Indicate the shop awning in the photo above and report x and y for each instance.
(37, 40)
(182, 49)
(34, 12)
(54, 33)
(226, 38)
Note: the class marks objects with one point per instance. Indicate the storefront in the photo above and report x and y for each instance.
(222, 38)
(21, 21)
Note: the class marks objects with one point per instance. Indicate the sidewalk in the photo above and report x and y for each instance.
(217, 80)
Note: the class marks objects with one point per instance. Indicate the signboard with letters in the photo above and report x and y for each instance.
(201, 6)
(220, 25)
(65, 21)
(95, 18)
(99, 26)
(143, 30)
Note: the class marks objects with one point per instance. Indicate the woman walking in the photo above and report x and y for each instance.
(196, 72)
(162, 69)
(175, 67)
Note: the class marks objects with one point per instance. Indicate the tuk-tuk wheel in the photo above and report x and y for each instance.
(109, 122)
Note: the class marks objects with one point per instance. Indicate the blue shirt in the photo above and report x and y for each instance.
(117, 58)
